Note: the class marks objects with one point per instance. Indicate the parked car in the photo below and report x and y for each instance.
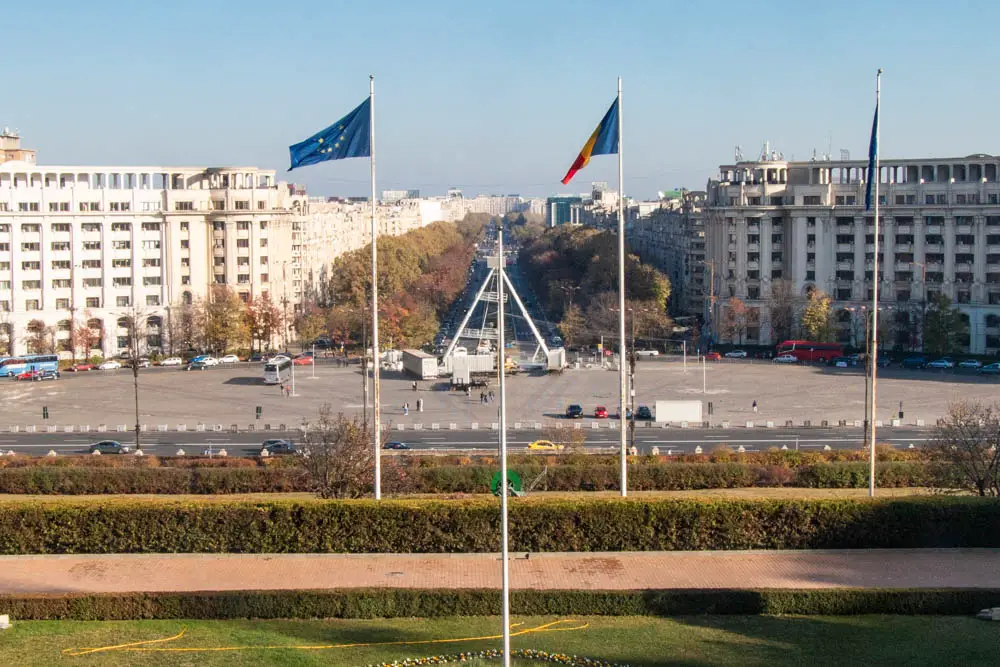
(256, 357)
(842, 362)
(644, 412)
(79, 368)
(991, 369)
(47, 375)
(395, 445)
(172, 361)
(713, 356)
(26, 375)
(323, 343)
(196, 366)
(600, 412)
(943, 362)
(970, 363)
(277, 447)
(574, 412)
(786, 359)
(544, 445)
(302, 360)
(109, 447)
(110, 365)
(142, 362)
(230, 359)
(736, 354)
(915, 362)
(647, 353)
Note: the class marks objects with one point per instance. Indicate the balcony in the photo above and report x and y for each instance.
(963, 267)
(933, 247)
(845, 247)
(904, 247)
(752, 266)
(753, 247)
(845, 266)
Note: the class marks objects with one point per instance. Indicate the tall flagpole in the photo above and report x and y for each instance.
(504, 548)
(377, 426)
(875, 281)
(621, 300)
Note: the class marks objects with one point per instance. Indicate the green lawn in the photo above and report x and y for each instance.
(637, 641)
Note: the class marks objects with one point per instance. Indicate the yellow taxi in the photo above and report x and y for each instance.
(544, 445)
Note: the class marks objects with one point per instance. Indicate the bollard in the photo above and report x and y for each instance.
(282, 427)
(698, 449)
(577, 426)
(824, 423)
(181, 428)
(85, 428)
(911, 446)
(67, 429)
(52, 452)
(517, 426)
(494, 426)
(789, 423)
(51, 429)
(807, 423)
(400, 427)
(200, 428)
(234, 428)
(452, 427)
(895, 422)
(920, 422)
(741, 449)
(138, 452)
(684, 424)
(121, 428)
(264, 453)
(101, 428)
(217, 428)
(594, 425)
(706, 424)
(827, 448)
(749, 424)
(878, 423)
(474, 426)
(29, 429)
(725, 424)
(784, 448)
(180, 452)
(435, 426)
(842, 422)
(223, 452)
(418, 427)
(655, 451)
(769, 424)
(251, 428)
(538, 426)
(857, 423)
(162, 428)
(95, 453)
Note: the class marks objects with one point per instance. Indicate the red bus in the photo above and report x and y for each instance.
(807, 350)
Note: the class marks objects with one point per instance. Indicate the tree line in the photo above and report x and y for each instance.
(574, 272)
(938, 324)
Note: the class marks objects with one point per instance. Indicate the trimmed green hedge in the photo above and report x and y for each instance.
(418, 603)
(473, 525)
(89, 480)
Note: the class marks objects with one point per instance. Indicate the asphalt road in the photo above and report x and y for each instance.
(672, 440)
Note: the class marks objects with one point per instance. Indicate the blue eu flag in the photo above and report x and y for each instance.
(348, 137)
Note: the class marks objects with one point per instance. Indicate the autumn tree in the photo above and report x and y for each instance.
(968, 438)
(6, 333)
(573, 326)
(263, 320)
(338, 456)
(309, 324)
(817, 317)
(41, 339)
(84, 339)
(944, 328)
(220, 321)
(735, 320)
(781, 306)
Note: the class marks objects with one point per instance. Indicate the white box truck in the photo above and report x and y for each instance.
(419, 363)
(678, 411)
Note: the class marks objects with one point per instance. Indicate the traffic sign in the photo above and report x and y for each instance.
(513, 482)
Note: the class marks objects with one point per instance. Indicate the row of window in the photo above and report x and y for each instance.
(30, 246)
(120, 281)
(124, 206)
(935, 199)
(91, 264)
(850, 220)
(90, 302)
(34, 227)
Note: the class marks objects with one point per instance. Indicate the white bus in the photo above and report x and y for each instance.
(278, 371)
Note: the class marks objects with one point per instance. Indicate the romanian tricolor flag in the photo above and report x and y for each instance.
(604, 141)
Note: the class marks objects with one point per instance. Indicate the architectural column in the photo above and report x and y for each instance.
(948, 232)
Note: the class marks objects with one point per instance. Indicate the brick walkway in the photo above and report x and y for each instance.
(919, 568)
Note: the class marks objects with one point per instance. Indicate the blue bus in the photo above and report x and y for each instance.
(33, 362)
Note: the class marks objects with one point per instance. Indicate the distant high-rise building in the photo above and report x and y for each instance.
(563, 210)
(392, 196)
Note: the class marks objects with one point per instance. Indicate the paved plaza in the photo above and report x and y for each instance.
(882, 568)
(230, 395)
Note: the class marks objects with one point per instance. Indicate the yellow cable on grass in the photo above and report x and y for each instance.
(143, 646)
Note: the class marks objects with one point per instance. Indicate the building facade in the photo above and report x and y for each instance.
(672, 238)
(805, 223)
(88, 246)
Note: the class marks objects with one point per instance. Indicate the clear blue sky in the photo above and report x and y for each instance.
(496, 96)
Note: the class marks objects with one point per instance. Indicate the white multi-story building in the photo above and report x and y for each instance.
(805, 222)
(84, 246)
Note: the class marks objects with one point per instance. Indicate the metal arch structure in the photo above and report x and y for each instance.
(495, 273)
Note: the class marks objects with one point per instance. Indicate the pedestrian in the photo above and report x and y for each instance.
(414, 385)
(406, 409)
(491, 395)
(755, 406)
(288, 391)
(420, 405)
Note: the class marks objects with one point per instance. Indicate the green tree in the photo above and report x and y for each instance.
(309, 324)
(944, 328)
(817, 318)
(220, 320)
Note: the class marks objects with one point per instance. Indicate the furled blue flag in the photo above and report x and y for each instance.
(348, 137)
(872, 152)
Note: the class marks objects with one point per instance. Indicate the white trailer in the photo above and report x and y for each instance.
(420, 364)
(678, 411)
